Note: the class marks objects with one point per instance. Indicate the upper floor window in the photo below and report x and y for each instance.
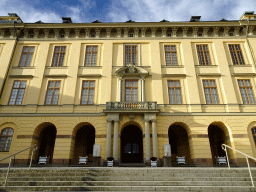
(210, 90)
(52, 93)
(17, 93)
(26, 56)
(203, 55)
(131, 54)
(174, 90)
(131, 90)
(236, 54)
(5, 139)
(87, 92)
(246, 91)
(254, 134)
(59, 55)
(171, 55)
(91, 55)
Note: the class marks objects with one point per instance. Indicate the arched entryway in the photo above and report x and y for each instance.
(131, 145)
(218, 135)
(46, 140)
(84, 141)
(178, 139)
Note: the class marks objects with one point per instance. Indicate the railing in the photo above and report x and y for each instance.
(13, 155)
(131, 105)
(224, 147)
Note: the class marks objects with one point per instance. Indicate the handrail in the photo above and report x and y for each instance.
(13, 155)
(224, 147)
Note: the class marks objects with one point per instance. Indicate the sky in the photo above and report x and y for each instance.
(86, 11)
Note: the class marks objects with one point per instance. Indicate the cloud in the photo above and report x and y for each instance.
(152, 10)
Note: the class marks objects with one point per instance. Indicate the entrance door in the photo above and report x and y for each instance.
(131, 145)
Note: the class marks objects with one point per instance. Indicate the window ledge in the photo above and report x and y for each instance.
(206, 65)
(27, 67)
(243, 74)
(90, 66)
(208, 74)
(21, 76)
(55, 67)
(172, 66)
(246, 65)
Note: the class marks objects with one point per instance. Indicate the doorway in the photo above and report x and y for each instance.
(131, 145)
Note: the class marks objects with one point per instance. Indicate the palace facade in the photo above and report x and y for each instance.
(129, 88)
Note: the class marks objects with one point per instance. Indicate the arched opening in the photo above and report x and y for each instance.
(178, 139)
(217, 137)
(46, 141)
(131, 145)
(84, 141)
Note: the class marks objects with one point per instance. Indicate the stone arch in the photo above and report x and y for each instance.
(83, 140)
(44, 136)
(252, 139)
(178, 134)
(218, 134)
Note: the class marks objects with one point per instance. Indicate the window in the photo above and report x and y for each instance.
(58, 57)
(171, 55)
(52, 93)
(87, 92)
(26, 56)
(246, 91)
(17, 93)
(174, 90)
(203, 55)
(131, 90)
(130, 34)
(6, 139)
(210, 90)
(254, 134)
(131, 54)
(236, 54)
(91, 55)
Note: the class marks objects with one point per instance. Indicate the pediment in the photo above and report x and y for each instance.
(131, 70)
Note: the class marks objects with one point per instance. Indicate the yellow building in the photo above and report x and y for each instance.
(129, 88)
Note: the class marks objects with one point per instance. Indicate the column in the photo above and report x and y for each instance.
(120, 90)
(115, 143)
(147, 140)
(142, 90)
(108, 142)
(154, 138)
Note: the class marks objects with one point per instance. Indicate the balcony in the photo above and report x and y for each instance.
(131, 106)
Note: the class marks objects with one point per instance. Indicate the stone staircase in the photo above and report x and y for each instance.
(128, 179)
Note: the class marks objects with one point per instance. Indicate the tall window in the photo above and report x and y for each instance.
(254, 134)
(210, 90)
(91, 55)
(17, 93)
(131, 90)
(52, 93)
(58, 57)
(87, 92)
(131, 54)
(236, 54)
(26, 56)
(6, 139)
(174, 90)
(171, 55)
(203, 55)
(246, 91)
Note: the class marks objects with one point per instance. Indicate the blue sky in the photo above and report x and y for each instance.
(51, 11)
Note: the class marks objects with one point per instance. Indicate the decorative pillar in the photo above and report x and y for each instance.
(56, 33)
(251, 30)
(226, 30)
(143, 32)
(205, 31)
(120, 90)
(2, 33)
(12, 33)
(66, 32)
(126, 32)
(184, 30)
(147, 141)
(236, 30)
(46, 33)
(174, 31)
(97, 30)
(115, 142)
(25, 31)
(87, 33)
(142, 90)
(195, 29)
(136, 32)
(77, 32)
(153, 32)
(108, 30)
(216, 31)
(108, 142)
(164, 29)
(154, 138)
(119, 32)
(36, 32)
